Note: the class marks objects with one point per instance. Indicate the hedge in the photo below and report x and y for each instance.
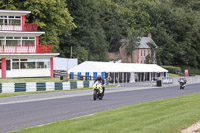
(172, 69)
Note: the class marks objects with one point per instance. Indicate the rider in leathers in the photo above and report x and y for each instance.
(101, 80)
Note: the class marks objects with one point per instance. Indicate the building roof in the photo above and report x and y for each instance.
(13, 13)
(28, 55)
(144, 41)
(21, 33)
(91, 66)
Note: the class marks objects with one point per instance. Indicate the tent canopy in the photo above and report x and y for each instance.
(91, 66)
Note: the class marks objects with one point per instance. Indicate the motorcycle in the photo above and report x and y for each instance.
(98, 91)
(182, 85)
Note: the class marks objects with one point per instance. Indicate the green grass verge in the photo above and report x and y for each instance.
(163, 116)
(173, 75)
(37, 92)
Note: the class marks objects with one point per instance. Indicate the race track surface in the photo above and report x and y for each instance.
(34, 110)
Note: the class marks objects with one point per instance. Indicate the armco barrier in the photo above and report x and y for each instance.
(20, 87)
(79, 84)
(58, 86)
(85, 84)
(66, 85)
(31, 87)
(8, 87)
(50, 86)
(91, 83)
(73, 84)
(43, 86)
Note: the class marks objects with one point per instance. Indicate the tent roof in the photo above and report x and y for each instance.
(91, 66)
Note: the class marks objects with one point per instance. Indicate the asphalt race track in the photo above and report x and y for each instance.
(28, 111)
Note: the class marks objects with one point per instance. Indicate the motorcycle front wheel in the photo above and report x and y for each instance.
(95, 95)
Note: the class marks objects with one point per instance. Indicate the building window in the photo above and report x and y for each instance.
(30, 63)
(28, 42)
(144, 52)
(40, 65)
(17, 41)
(148, 51)
(141, 52)
(27, 65)
(15, 65)
(141, 61)
(2, 41)
(8, 67)
(10, 20)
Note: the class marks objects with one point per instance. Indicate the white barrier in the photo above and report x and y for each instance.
(31, 87)
(50, 86)
(66, 85)
(8, 87)
(79, 84)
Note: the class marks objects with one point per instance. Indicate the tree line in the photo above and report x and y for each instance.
(92, 28)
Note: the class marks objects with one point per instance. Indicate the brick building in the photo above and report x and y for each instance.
(138, 55)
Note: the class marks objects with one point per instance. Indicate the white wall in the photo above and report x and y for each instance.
(190, 80)
(28, 73)
(64, 63)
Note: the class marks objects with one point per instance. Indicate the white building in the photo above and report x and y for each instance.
(20, 52)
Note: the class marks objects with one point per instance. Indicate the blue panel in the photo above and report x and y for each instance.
(103, 75)
(95, 75)
(72, 75)
(79, 75)
(87, 74)
(165, 75)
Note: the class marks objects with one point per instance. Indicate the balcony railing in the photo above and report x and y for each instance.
(25, 49)
(18, 27)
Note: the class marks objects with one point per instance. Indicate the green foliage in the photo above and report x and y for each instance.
(89, 33)
(191, 70)
(151, 58)
(172, 69)
(80, 53)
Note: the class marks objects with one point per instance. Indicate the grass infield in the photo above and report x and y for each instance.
(164, 116)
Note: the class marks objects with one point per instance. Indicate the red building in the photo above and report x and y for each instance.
(20, 52)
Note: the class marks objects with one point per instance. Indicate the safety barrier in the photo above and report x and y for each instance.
(43, 86)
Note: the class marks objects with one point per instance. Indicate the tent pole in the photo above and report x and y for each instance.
(118, 78)
(114, 78)
(126, 77)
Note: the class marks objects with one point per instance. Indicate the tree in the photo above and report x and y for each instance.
(150, 58)
(89, 33)
(131, 43)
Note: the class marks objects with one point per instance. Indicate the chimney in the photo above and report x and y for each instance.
(149, 35)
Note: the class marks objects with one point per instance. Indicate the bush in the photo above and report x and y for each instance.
(172, 69)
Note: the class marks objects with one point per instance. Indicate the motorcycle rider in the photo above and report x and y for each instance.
(101, 80)
(182, 80)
